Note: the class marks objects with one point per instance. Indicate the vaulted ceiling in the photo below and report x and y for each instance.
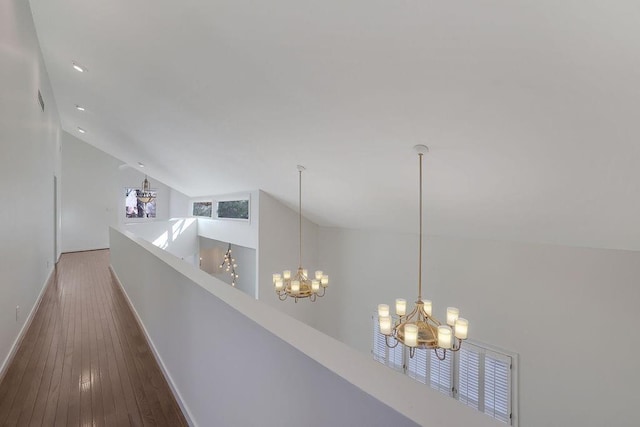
(530, 108)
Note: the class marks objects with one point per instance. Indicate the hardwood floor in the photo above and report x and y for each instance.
(84, 360)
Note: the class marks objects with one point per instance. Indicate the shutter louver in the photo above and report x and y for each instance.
(396, 357)
(497, 386)
(379, 349)
(418, 366)
(440, 373)
(469, 376)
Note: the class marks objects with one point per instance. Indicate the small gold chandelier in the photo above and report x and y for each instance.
(145, 195)
(419, 329)
(300, 285)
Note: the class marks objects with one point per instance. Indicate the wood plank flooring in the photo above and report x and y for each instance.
(84, 360)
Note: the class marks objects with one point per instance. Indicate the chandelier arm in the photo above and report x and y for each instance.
(322, 294)
(409, 316)
(444, 354)
(282, 297)
(412, 352)
(458, 346)
(386, 341)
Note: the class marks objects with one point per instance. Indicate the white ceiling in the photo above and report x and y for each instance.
(530, 108)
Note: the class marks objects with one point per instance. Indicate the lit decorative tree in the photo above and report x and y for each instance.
(229, 265)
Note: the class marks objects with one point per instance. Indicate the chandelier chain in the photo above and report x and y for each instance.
(420, 239)
(300, 216)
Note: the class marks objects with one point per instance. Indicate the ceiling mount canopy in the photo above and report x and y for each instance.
(419, 329)
(300, 285)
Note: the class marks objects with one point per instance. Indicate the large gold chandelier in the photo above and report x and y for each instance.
(419, 329)
(300, 285)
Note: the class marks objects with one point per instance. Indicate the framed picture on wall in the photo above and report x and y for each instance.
(137, 206)
(202, 208)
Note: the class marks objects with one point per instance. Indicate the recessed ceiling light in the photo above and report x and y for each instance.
(81, 130)
(79, 108)
(140, 164)
(78, 68)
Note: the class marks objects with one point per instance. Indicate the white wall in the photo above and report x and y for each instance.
(178, 236)
(212, 254)
(237, 362)
(178, 204)
(570, 313)
(29, 159)
(278, 251)
(88, 195)
(93, 194)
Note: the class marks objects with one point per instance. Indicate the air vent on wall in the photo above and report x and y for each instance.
(40, 101)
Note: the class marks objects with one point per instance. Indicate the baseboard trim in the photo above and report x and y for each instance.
(25, 327)
(154, 350)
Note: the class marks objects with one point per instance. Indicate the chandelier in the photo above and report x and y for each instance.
(229, 265)
(419, 329)
(300, 285)
(145, 195)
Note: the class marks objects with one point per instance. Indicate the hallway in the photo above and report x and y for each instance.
(84, 361)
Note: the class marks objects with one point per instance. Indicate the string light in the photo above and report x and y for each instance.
(229, 265)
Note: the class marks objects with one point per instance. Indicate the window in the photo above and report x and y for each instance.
(476, 375)
(202, 208)
(139, 207)
(233, 209)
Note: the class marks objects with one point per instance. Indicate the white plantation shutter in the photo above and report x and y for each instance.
(475, 375)
(497, 386)
(441, 372)
(379, 349)
(469, 376)
(396, 357)
(417, 366)
(392, 357)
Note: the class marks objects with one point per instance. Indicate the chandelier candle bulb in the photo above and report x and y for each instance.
(411, 335)
(385, 325)
(315, 285)
(401, 307)
(383, 310)
(279, 284)
(286, 274)
(325, 281)
(452, 315)
(444, 337)
(428, 305)
(305, 273)
(461, 328)
(295, 287)
(319, 275)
